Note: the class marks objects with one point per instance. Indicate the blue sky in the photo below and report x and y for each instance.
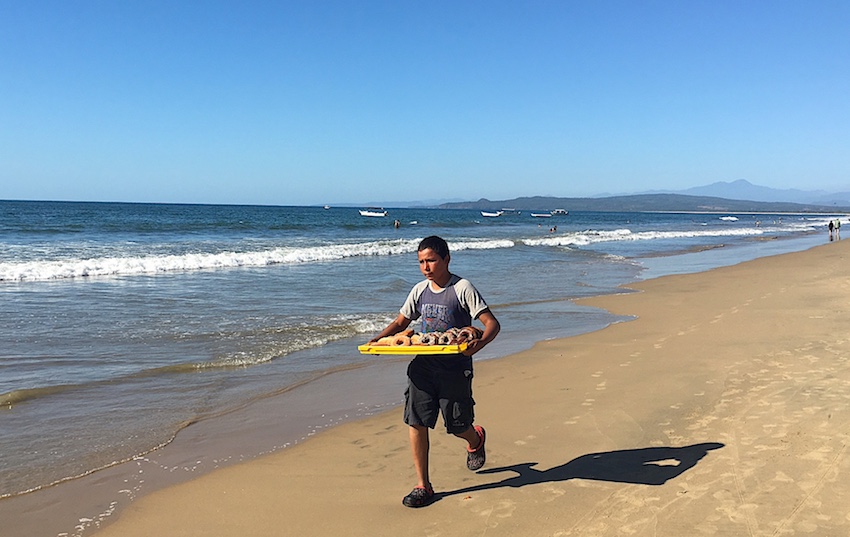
(314, 102)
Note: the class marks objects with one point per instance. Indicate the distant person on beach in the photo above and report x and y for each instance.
(441, 383)
(837, 228)
(831, 229)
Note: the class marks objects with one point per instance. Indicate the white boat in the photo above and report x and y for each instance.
(541, 215)
(373, 211)
(491, 214)
(560, 212)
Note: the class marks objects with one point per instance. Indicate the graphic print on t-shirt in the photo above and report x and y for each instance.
(435, 318)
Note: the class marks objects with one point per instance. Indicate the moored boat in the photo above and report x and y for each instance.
(373, 211)
(490, 214)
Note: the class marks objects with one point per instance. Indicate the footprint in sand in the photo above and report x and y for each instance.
(553, 493)
(528, 439)
(386, 430)
(503, 509)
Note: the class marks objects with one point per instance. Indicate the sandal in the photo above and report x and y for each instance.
(419, 497)
(475, 457)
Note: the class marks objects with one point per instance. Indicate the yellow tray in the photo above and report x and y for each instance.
(412, 349)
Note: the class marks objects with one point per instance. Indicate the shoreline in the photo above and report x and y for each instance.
(177, 464)
(336, 397)
(747, 438)
(214, 443)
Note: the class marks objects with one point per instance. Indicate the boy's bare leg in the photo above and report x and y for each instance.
(471, 436)
(420, 445)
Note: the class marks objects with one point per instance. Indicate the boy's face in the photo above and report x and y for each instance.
(434, 267)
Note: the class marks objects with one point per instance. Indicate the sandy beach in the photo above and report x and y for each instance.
(722, 409)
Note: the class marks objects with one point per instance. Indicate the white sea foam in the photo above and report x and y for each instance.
(481, 244)
(137, 265)
(584, 238)
(130, 266)
(157, 264)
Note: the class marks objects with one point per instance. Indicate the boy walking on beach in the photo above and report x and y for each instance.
(441, 383)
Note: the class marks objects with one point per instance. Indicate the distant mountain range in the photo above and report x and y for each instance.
(737, 196)
(744, 190)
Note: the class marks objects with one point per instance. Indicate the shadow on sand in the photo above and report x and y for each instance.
(647, 466)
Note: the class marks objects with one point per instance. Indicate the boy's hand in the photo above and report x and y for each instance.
(491, 329)
(472, 346)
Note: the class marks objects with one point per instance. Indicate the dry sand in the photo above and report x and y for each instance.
(724, 409)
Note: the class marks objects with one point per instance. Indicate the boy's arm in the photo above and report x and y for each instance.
(400, 323)
(491, 330)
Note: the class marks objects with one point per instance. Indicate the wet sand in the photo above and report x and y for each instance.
(722, 409)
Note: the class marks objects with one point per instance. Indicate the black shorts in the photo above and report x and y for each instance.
(440, 384)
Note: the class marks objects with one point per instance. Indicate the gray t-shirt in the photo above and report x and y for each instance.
(455, 306)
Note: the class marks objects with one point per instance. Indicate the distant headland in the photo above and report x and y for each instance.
(645, 203)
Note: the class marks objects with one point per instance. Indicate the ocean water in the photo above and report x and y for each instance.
(123, 324)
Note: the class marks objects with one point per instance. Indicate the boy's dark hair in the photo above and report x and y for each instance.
(440, 246)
